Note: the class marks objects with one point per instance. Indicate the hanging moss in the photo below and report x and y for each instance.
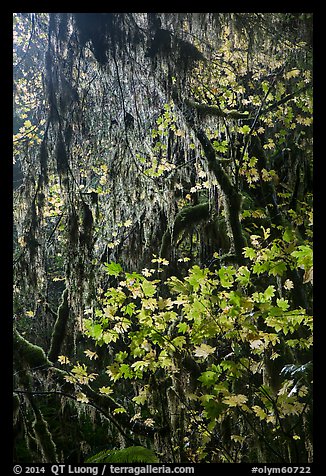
(60, 327)
(44, 438)
(87, 226)
(17, 423)
(160, 43)
(15, 405)
(44, 162)
(61, 157)
(104, 31)
(216, 230)
(73, 227)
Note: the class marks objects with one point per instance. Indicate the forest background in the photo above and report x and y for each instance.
(163, 237)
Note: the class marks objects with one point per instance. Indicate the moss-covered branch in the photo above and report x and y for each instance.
(232, 197)
(211, 110)
(35, 358)
(27, 353)
(59, 329)
(185, 218)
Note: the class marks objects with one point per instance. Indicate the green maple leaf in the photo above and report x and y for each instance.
(182, 327)
(282, 303)
(277, 269)
(113, 269)
(269, 292)
(208, 378)
(249, 252)
(148, 288)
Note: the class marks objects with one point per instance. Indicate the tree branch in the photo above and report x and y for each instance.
(233, 198)
(35, 358)
(59, 329)
(284, 100)
(211, 110)
(68, 395)
(185, 217)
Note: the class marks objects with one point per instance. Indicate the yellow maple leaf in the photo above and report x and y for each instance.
(91, 355)
(81, 397)
(204, 350)
(235, 400)
(288, 284)
(63, 359)
(106, 390)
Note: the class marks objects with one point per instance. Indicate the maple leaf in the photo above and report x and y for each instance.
(204, 350)
(81, 397)
(106, 390)
(288, 284)
(256, 344)
(63, 359)
(90, 354)
(235, 400)
(146, 272)
(149, 422)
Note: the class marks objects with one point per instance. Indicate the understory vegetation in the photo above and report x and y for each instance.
(163, 262)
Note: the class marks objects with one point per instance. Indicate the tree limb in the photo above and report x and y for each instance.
(34, 356)
(211, 110)
(233, 198)
(284, 100)
(185, 217)
(59, 329)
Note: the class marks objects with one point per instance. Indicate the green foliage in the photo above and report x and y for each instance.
(132, 454)
(226, 325)
(304, 256)
(113, 269)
